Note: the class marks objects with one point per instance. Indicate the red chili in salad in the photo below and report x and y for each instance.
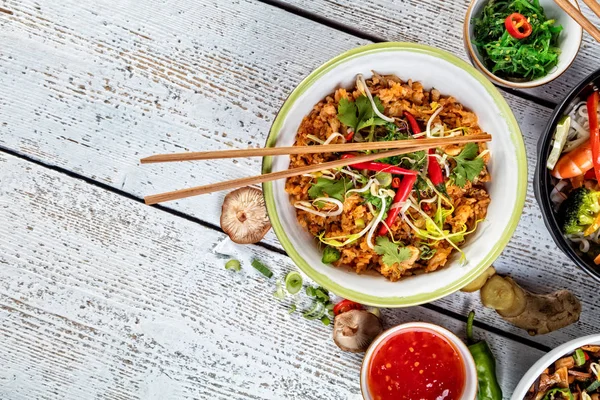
(517, 26)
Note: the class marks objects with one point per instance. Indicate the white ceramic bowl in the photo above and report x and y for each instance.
(536, 370)
(508, 167)
(569, 42)
(470, 390)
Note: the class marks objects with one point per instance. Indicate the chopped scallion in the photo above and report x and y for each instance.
(233, 265)
(579, 357)
(293, 282)
(262, 268)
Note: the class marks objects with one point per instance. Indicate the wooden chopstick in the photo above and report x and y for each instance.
(593, 5)
(570, 9)
(253, 180)
(329, 148)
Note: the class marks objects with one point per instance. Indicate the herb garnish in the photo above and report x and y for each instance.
(468, 165)
(335, 188)
(392, 253)
(359, 114)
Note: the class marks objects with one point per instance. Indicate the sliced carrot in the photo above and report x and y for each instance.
(577, 181)
(597, 260)
(593, 227)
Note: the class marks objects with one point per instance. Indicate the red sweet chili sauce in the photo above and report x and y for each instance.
(416, 364)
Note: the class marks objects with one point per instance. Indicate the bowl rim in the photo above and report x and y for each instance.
(515, 137)
(541, 176)
(517, 85)
(547, 359)
(468, 360)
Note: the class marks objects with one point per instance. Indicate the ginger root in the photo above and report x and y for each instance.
(538, 314)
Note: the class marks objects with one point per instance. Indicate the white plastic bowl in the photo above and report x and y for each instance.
(470, 389)
(569, 42)
(536, 370)
(508, 168)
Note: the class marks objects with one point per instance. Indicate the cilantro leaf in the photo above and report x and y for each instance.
(359, 114)
(347, 113)
(468, 166)
(392, 253)
(333, 188)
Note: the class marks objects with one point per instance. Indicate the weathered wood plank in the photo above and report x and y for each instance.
(93, 94)
(437, 24)
(104, 297)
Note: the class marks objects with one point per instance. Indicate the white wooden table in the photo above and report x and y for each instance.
(102, 297)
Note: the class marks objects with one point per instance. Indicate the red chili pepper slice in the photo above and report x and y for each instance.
(590, 174)
(379, 167)
(401, 195)
(517, 26)
(349, 136)
(592, 107)
(396, 183)
(346, 305)
(434, 170)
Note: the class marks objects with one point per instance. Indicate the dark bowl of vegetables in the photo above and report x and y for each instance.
(521, 43)
(567, 175)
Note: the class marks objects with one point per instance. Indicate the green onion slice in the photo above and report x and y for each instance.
(292, 309)
(579, 357)
(315, 312)
(326, 321)
(233, 265)
(293, 282)
(593, 386)
(262, 268)
(279, 293)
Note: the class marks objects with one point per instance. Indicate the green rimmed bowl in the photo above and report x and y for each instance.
(508, 167)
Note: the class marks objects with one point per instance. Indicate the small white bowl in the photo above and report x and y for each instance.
(470, 390)
(508, 167)
(536, 370)
(569, 42)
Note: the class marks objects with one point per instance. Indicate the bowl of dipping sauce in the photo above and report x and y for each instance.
(418, 361)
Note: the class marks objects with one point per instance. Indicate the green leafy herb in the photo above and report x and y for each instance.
(392, 253)
(468, 166)
(359, 114)
(507, 57)
(332, 187)
(262, 268)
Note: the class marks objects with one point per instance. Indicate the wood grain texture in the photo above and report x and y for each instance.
(92, 86)
(102, 297)
(439, 24)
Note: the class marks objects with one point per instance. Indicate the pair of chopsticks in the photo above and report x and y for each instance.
(399, 147)
(576, 14)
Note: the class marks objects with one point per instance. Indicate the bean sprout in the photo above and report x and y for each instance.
(333, 136)
(309, 207)
(361, 85)
(315, 139)
(435, 114)
(377, 220)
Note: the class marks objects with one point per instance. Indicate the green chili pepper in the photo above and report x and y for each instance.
(485, 363)
(565, 392)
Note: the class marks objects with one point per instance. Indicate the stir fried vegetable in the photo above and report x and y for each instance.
(572, 376)
(516, 40)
